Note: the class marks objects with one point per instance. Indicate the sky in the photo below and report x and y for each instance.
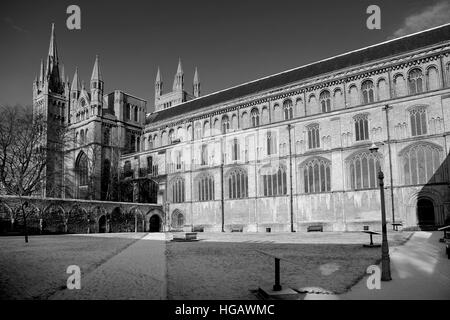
(230, 42)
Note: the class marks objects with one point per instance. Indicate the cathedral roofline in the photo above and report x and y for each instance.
(348, 59)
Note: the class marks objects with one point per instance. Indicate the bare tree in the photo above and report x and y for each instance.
(28, 157)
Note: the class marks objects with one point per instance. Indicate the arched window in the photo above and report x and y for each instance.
(418, 121)
(316, 174)
(325, 101)
(204, 155)
(264, 116)
(271, 138)
(313, 136)
(421, 164)
(237, 184)
(82, 139)
(274, 181)
(171, 136)
(128, 111)
(234, 122)
(361, 127)
(255, 117)
(206, 129)
(244, 120)
(198, 130)
(205, 187)
(136, 114)
(276, 113)
(363, 170)
(177, 219)
(128, 172)
(81, 168)
(367, 91)
(225, 124)
(288, 109)
(150, 143)
(177, 190)
(415, 81)
(383, 90)
(353, 95)
(432, 78)
(235, 150)
(399, 85)
(155, 141)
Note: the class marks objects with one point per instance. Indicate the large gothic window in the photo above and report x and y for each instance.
(205, 187)
(421, 164)
(178, 190)
(367, 91)
(325, 101)
(273, 180)
(363, 170)
(288, 109)
(81, 169)
(255, 117)
(415, 81)
(361, 127)
(237, 184)
(316, 174)
(313, 136)
(418, 121)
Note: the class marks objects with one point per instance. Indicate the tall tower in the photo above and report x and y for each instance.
(97, 88)
(158, 86)
(178, 82)
(75, 89)
(50, 104)
(196, 84)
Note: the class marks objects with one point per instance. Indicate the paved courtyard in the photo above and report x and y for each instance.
(148, 266)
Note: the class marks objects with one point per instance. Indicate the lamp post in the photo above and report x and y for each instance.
(385, 260)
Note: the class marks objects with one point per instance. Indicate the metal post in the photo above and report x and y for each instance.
(385, 260)
(277, 285)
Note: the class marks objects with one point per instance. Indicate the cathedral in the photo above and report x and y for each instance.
(281, 153)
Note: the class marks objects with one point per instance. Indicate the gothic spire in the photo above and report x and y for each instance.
(178, 82)
(158, 77)
(41, 72)
(52, 60)
(76, 82)
(96, 74)
(196, 84)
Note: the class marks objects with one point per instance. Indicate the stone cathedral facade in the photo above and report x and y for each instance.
(279, 153)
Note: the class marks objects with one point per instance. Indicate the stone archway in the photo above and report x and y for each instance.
(102, 224)
(154, 223)
(425, 213)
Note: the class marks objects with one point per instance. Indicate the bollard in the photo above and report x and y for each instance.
(277, 286)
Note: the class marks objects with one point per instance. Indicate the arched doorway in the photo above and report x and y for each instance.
(102, 224)
(155, 223)
(425, 212)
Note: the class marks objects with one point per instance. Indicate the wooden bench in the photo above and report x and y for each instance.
(395, 225)
(371, 244)
(316, 227)
(185, 236)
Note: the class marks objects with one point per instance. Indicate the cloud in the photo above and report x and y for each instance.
(10, 22)
(429, 17)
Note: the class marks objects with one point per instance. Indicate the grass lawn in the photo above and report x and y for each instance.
(37, 269)
(229, 269)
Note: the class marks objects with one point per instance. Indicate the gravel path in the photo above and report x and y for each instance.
(138, 272)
